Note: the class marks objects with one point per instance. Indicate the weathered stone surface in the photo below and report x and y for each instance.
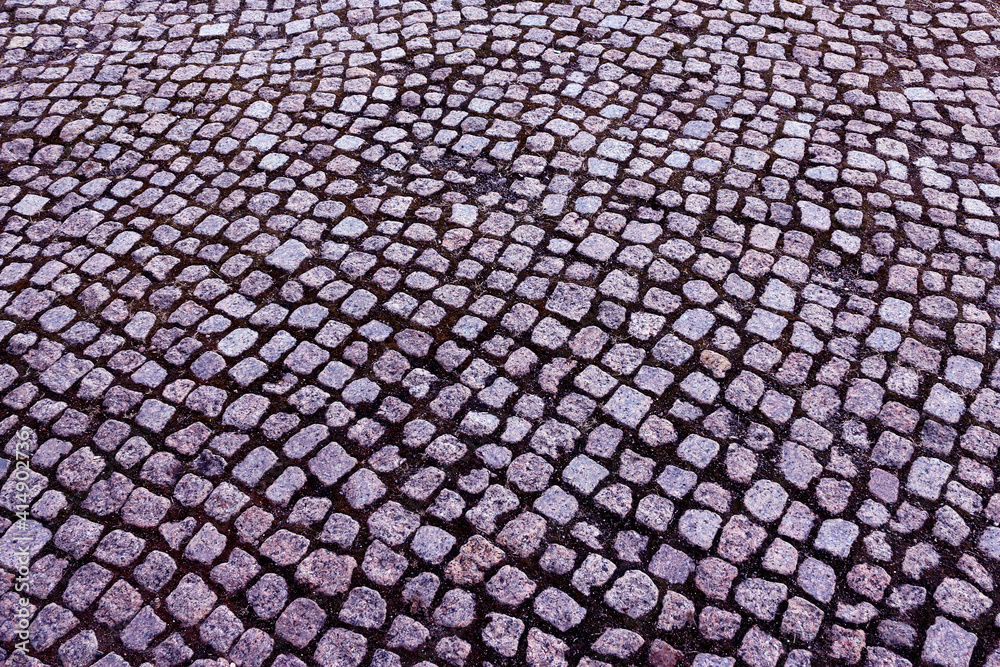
(625, 318)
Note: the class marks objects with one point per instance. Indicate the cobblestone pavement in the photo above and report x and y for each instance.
(580, 332)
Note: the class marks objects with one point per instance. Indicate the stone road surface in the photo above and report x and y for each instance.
(571, 332)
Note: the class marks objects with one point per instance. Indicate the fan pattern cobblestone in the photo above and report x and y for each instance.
(593, 332)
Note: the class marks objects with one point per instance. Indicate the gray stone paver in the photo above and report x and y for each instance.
(349, 332)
